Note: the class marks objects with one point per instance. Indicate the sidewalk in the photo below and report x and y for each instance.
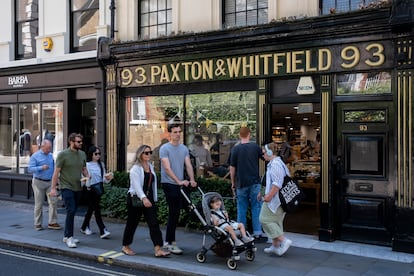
(307, 256)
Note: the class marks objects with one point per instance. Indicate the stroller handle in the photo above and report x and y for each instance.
(193, 207)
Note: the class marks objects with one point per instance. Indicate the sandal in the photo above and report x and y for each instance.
(161, 253)
(128, 251)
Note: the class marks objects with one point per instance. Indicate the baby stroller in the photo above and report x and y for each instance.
(223, 244)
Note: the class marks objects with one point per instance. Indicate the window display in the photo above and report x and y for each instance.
(203, 119)
(23, 127)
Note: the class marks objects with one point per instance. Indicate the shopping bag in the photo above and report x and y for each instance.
(290, 195)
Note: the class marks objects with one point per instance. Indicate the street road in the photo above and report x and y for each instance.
(21, 261)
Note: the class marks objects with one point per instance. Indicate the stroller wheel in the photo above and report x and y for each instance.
(201, 257)
(250, 255)
(231, 264)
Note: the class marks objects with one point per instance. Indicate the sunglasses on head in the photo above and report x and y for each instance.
(147, 152)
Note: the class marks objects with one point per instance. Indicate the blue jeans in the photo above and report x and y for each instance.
(245, 196)
(71, 199)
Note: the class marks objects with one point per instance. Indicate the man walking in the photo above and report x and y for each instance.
(245, 179)
(174, 158)
(70, 165)
(41, 165)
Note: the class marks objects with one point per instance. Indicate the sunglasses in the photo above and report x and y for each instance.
(78, 142)
(147, 152)
(96, 153)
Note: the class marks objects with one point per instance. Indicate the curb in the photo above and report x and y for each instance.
(143, 263)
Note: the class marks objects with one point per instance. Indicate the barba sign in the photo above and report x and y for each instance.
(361, 56)
(18, 81)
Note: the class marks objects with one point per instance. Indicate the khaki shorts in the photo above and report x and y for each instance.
(272, 223)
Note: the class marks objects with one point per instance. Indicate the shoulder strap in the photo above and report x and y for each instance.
(217, 214)
(101, 167)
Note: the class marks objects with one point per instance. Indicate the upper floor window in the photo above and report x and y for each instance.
(340, 6)
(27, 28)
(239, 13)
(138, 110)
(84, 19)
(155, 18)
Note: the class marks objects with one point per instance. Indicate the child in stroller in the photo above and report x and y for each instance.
(220, 218)
(224, 245)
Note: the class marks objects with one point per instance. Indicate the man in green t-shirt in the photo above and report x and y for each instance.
(69, 169)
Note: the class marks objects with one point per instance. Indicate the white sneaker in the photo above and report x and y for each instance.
(87, 231)
(238, 243)
(284, 246)
(173, 248)
(272, 249)
(105, 234)
(247, 239)
(70, 242)
(74, 240)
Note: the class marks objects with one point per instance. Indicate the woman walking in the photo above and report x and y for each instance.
(142, 195)
(94, 185)
(272, 215)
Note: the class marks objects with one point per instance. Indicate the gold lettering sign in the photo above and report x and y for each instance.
(362, 56)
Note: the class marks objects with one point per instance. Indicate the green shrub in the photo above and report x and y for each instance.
(121, 179)
(113, 201)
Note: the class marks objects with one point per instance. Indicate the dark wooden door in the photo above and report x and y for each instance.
(364, 185)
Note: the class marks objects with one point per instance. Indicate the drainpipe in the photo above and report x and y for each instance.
(112, 8)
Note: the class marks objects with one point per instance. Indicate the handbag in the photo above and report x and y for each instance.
(136, 201)
(98, 188)
(290, 195)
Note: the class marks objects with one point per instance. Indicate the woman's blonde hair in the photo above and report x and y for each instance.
(138, 154)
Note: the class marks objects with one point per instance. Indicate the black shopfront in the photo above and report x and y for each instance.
(340, 84)
(45, 101)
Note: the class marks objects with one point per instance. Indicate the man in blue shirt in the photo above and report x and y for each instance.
(41, 165)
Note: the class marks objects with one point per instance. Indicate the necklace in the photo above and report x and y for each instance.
(146, 167)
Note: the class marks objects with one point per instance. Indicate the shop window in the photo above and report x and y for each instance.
(365, 155)
(26, 28)
(52, 126)
(9, 138)
(365, 116)
(155, 18)
(84, 20)
(364, 84)
(23, 127)
(209, 128)
(238, 13)
(201, 116)
(341, 6)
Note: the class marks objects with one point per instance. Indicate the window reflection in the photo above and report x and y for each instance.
(8, 139)
(52, 125)
(85, 17)
(209, 133)
(364, 83)
(28, 131)
(27, 26)
(23, 127)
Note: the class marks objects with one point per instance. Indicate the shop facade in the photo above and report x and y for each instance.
(341, 86)
(46, 101)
